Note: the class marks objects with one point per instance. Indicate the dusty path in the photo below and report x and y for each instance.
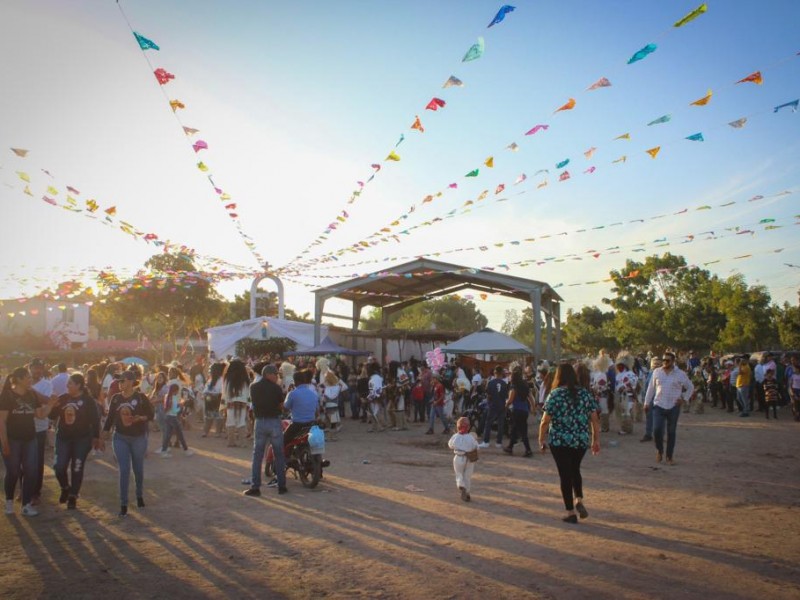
(723, 523)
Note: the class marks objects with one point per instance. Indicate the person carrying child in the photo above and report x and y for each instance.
(465, 448)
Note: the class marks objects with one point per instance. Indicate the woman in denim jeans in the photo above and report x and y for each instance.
(77, 418)
(129, 414)
(19, 402)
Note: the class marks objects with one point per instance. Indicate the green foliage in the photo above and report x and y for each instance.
(748, 324)
(449, 313)
(587, 331)
(255, 348)
(519, 326)
(787, 319)
(167, 310)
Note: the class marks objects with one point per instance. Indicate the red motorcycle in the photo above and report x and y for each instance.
(299, 457)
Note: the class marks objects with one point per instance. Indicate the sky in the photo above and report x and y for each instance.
(296, 100)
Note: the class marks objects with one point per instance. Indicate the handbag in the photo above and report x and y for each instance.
(472, 455)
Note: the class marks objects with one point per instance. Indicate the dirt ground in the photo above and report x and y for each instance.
(387, 522)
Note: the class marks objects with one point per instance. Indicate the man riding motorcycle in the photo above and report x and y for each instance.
(303, 403)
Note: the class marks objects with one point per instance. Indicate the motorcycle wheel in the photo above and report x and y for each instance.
(310, 469)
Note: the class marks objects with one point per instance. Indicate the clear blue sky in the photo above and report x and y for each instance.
(296, 100)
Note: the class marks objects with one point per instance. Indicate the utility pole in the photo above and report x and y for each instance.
(255, 294)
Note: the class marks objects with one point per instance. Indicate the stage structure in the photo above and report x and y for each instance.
(400, 286)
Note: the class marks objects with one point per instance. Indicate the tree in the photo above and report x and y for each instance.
(662, 302)
(238, 309)
(787, 320)
(587, 331)
(449, 313)
(174, 302)
(748, 318)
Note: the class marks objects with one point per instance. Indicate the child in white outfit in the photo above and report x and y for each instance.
(461, 443)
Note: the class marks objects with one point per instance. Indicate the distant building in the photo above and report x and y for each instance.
(65, 323)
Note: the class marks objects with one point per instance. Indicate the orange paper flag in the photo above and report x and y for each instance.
(418, 125)
(568, 106)
(653, 151)
(753, 78)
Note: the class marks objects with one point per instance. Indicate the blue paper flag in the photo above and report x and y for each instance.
(664, 119)
(695, 137)
(793, 104)
(501, 14)
(562, 164)
(144, 43)
(649, 49)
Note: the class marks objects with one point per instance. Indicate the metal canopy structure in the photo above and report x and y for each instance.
(395, 288)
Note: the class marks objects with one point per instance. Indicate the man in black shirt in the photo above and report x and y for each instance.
(267, 398)
(497, 390)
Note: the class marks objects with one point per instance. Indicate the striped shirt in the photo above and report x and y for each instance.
(666, 388)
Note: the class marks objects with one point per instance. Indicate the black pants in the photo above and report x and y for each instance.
(568, 462)
(519, 428)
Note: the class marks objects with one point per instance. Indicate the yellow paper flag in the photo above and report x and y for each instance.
(392, 156)
(702, 101)
(489, 162)
(653, 151)
(624, 136)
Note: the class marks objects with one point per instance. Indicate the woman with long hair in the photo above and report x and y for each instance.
(569, 412)
(128, 415)
(77, 419)
(93, 382)
(520, 401)
(236, 396)
(212, 398)
(19, 403)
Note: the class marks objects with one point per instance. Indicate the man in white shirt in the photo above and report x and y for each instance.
(59, 382)
(665, 394)
(42, 385)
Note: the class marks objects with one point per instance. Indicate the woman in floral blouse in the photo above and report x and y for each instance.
(568, 412)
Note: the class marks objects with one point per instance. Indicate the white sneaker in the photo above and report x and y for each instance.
(166, 454)
(159, 451)
(9, 507)
(483, 445)
(189, 452)
(29, 511)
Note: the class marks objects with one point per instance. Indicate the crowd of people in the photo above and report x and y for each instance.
(243, 401)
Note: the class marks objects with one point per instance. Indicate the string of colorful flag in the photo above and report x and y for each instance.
(163, 77)
(764, 224)
(603, 82)
(103, 213)
(486, 295)
(110, 283)
(435, 104)
(499, 244)
(386, 233)
(482, 296)
(98, 284)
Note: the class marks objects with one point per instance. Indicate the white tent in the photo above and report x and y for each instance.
(486, 341)
(222, 339)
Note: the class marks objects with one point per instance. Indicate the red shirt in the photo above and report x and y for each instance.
(438, 393)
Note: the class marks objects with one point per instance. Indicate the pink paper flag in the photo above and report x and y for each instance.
(537, 128)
